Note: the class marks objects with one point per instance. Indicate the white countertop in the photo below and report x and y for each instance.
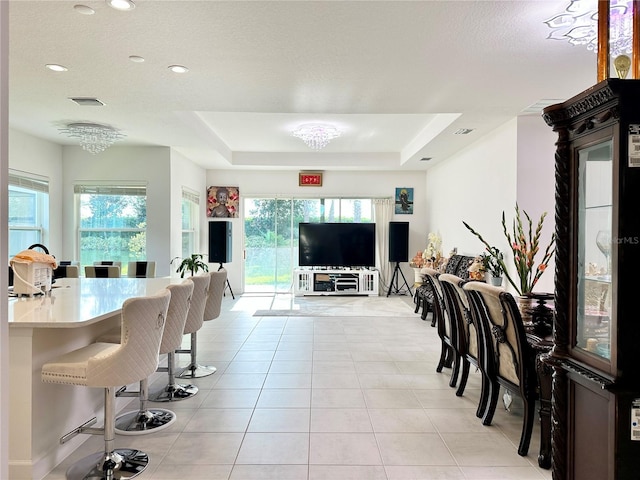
(76, 302)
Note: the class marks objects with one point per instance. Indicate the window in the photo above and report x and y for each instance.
(112, 221)
(28, 211)
(190, 222)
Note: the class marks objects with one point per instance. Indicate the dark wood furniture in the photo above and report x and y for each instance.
(508, 359)
(596, 379)
(456, 265)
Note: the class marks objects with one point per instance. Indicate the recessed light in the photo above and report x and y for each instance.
(121, 4)
(56, 68)
(136, 58)
(84, 9)
(178, 68)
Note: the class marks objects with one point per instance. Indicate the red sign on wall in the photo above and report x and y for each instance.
(307, 179)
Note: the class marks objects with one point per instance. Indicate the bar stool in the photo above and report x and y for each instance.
(195, 320)
(146, 420)
(141, 269)
(107, 365)
(66, 271)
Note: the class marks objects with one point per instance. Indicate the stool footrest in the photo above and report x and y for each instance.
(84, 428)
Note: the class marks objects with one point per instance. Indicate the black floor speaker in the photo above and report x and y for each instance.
(398, 241)
(219, 242)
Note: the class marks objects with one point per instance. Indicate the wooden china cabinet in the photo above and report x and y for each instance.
(596, 354)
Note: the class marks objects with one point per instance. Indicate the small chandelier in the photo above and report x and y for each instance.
(316, 135)
(94, 138)
(579, 25)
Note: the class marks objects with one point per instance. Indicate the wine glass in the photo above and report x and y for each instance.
(603, 241)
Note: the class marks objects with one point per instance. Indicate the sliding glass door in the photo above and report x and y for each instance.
(271, 235)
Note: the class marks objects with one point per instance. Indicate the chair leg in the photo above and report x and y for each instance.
(443, 357)
(173, 391)
(485, 390)
(527, 425)
(144, 420)
(494, 394)
(463, 377)
(194, 370)
(111, 464)
(455, 369)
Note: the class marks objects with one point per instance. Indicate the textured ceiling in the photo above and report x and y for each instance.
(397, 77)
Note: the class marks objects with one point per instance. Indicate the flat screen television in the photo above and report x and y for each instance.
(337, 245)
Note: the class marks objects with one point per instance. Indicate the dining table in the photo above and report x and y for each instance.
(72, 315)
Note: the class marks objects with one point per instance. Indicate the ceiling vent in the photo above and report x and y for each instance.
(425, 159)
(87, 101)
(463, 131)
(541, 104)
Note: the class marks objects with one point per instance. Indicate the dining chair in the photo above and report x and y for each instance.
(449, 355)
(108, 262)
(66, 271)
(468, 342)
(102, 271)
(510, 360)
(141, 269)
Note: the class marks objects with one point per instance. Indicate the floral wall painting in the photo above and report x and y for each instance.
(222, 202)
(404, 200)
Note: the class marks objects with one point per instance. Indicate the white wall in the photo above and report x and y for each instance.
(284, 183)
(185, 173)
(36, 156)
(514, 163)
(148, 164)
(475, 186)
(536, 182)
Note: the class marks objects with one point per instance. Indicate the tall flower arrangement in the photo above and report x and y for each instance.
(524, 242)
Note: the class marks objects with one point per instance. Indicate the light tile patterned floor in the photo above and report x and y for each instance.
(344, 390)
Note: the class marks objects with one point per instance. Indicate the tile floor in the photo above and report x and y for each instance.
(345, 389)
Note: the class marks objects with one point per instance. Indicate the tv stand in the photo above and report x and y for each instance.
(335, 282)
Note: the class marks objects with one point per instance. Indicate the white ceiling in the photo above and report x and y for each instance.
(397, 77)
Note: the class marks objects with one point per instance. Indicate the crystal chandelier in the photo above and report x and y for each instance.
(316, 135)
(579, 25)
(94, 138)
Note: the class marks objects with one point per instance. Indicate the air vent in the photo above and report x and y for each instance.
(425, 159)
(541, 104)
(87, 101)
(463, 131)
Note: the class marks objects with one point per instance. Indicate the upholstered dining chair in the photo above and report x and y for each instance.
(449, 355)
(457, 305)
(510, 360)
(212, 308)
(107, 366)
(66, 271)
(102, 271)
(145, 419)
(141, 269)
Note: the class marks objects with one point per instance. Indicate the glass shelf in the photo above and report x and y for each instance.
(593, 316)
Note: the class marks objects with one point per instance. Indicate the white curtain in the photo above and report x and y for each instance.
(382, 215)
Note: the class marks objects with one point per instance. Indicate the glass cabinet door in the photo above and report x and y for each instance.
(595, 197)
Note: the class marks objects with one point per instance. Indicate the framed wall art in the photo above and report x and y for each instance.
(404, 200)
(310, 179)
(222, 202)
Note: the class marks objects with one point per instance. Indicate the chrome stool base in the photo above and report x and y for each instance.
(119, 464)
(174, 393)
(197, 371)
(143, 422)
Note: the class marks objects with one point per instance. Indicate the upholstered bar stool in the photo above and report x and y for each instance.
(172, 339)
(66, 271)
(102, 271)
(107, 365)
(141, 269)
(195, 320)
(147, 420)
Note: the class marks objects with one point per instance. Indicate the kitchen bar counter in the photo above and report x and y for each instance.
(73, 315)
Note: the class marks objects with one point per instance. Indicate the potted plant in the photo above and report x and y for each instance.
(493, 261)
(191, 264)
